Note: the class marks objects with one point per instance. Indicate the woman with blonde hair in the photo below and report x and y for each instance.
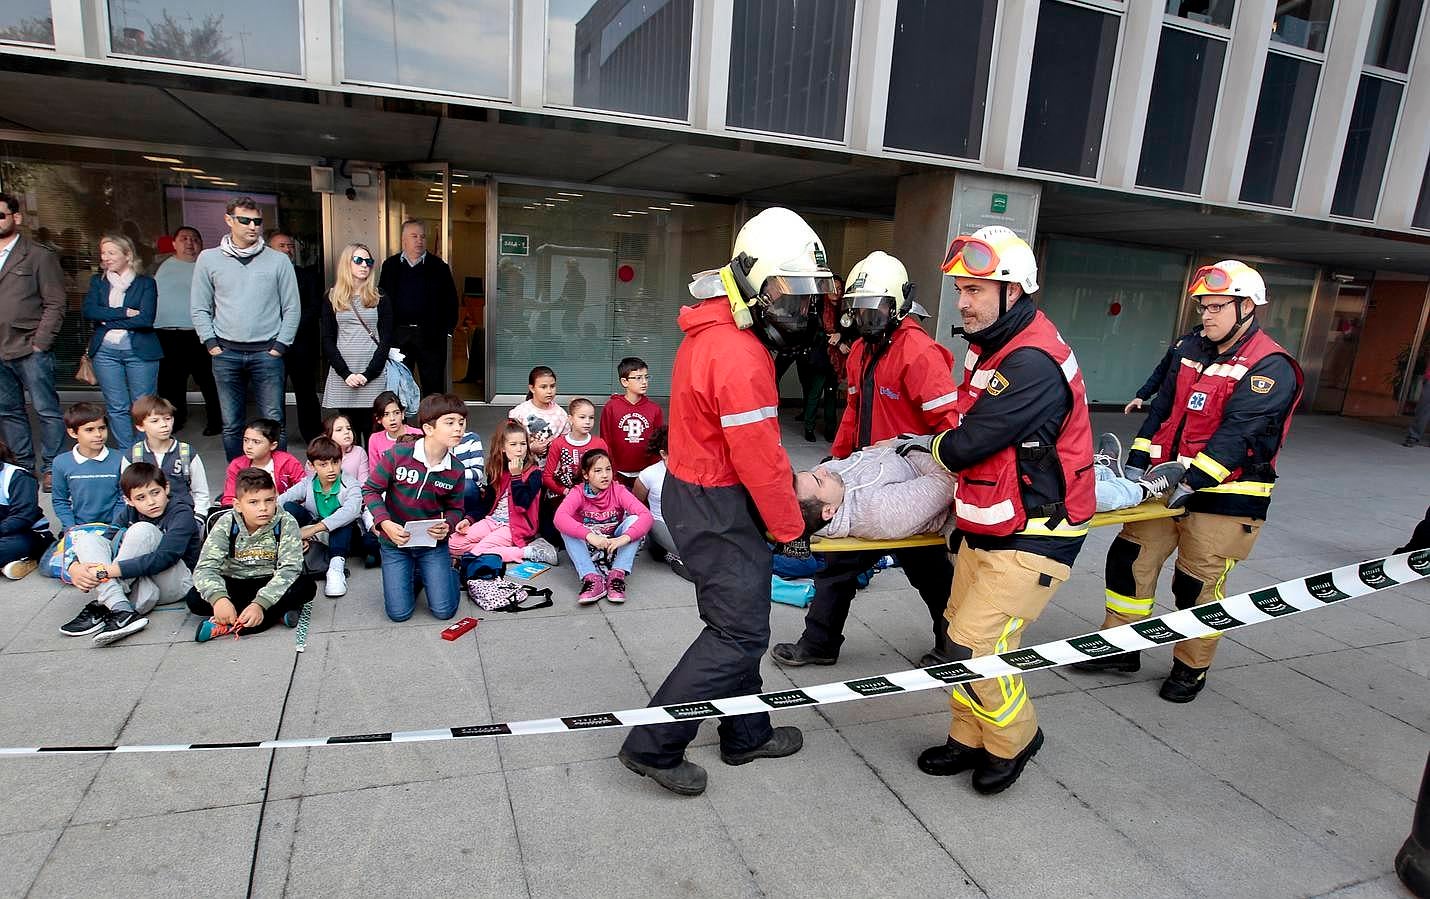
(357, 333)
(124, 350)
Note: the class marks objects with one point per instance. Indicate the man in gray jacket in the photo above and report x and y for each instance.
(32, 308)
(246, 311)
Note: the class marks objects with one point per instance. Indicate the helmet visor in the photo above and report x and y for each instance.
(873, 315)
(778, 287)
(974, 256)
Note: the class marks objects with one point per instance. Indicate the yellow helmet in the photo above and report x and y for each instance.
(1229, 278)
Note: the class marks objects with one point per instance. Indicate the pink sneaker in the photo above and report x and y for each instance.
(616, 586)
(593, 589)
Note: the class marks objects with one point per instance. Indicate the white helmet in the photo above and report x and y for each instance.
(993, 253)
(1229, 278)
(879, 294)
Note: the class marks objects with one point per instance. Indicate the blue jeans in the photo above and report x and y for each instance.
(1115, 493)
(123, 378)
(238, 375)
(399, 590)
(34, 373)
(580, 552)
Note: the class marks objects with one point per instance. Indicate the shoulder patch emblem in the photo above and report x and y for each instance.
(997, 383)
(1262, 384)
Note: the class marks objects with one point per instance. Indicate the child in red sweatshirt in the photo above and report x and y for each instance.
(602, 516)
(260, 450)
(628, 419)
(563, 459)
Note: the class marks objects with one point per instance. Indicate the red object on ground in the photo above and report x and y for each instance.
(460, 628)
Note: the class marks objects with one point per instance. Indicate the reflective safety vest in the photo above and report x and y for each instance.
(1197, 408)
(990, 492)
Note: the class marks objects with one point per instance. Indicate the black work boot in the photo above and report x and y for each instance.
(784, 741)
(686, 778)
(943, 650)
(950, 758)
(1184, 683)
(1126, 662)
(795, 655)
(998, 774)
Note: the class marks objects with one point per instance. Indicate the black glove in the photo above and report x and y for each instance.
(797, 549)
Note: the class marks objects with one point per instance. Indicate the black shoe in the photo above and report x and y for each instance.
(1109, 452)
(1160, 479)
(1409, 441)
(794, 655)
(686, 778)
(90, 619)
(996, 775)
(809, 434)
(1184, 683)
(679, 568)
(784, 741)
(119, 625)
(950, 758)
(1125, 662)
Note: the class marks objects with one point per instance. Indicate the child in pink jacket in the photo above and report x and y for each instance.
(601, 517)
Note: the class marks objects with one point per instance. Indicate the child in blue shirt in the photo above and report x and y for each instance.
(24, 531)
(87, 477)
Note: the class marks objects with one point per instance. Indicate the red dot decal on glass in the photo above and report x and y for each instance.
(1114, 309)
(626, 274)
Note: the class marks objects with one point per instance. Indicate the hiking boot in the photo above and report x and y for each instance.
(1184, 683)
(950, 758)
(540, 550)
(1124, 662)
(120, 625)
(593, 589)
(1109, 452)
(784, 741)
(336, 583)
(998, 774)
(209, 630)
(19, 568)
(796, 655)
(616, 586)
(686, 778)
(678, 567)
(90, 619)
(1160, 479)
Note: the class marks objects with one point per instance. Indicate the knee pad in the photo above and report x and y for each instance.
(1185, 589)
(1120, 557)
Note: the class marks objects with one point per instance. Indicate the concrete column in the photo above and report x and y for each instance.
(1127, 111)
(1236, 101)
(321, 43)
(710, 66)
(359, 220)
(529, 49)
(1335, 98)
(869, 74)
(1008, 96)
(1406, 168)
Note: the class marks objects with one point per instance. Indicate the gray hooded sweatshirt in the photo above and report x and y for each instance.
(889, 497)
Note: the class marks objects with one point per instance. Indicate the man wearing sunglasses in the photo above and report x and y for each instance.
(245, 308)
(1224, 411)
(1022, 452)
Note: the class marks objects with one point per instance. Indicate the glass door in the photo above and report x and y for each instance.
(421, 192)
(1342, 342)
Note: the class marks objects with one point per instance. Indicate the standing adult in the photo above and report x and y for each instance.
(245, 309)
(122, 302)
(900, 382)
(32, 308)
(729, 479)
(184, 353)
(300, 363)
(1023, 455)
(424, 298)
(1226, 410)
(357, 333)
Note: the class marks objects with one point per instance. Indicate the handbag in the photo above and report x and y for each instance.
(492, 591)
(85, 372)
(399, 377)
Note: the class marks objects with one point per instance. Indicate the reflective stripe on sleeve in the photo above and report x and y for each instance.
(1212, 467)
(735, 419)
(1243, 488)
(939, 401)
(1141, 444)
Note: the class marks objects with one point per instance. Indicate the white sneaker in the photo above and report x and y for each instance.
(336, 583)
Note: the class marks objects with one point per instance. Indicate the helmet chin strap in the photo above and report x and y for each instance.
(1002, 298)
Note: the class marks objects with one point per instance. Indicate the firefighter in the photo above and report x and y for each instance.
(900, 382)
(1223, 411)
(728, 481)
(1022, 451)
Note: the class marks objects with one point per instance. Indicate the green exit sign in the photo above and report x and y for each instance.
(999, 204)
(514, 245)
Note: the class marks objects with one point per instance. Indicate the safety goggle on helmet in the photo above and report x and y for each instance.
(993, 253)
(1229, 278)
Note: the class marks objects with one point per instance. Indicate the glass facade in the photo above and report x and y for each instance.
(1180, 113)
(937, 100)
(1068, 87)
(461, 46)
(1392, 34)
(620, 55)
(1422, 205)
(1116, 306)
(1278, 133)
(1367, 147)
(27, 21)
(1302, 23)
(261, 34)
(789, 66)
(1208, 12)
(586, 278)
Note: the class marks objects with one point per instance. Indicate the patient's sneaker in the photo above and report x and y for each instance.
(1109, 453)
(1160, 479)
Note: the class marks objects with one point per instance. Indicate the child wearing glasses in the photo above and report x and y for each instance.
(357, 332)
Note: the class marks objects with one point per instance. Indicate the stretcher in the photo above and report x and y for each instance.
(1145, 512)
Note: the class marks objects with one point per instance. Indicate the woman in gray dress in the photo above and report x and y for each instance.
(357, 332)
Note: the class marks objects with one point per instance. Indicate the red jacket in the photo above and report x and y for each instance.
(911, 390)
(626, 427)
(287, 471)
(724, 416)
(563, 463)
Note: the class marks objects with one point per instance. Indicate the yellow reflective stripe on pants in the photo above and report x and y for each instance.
(1015, 695)
(1129, 605)
(1219, 593)
(1242, 488)
(1213, 468)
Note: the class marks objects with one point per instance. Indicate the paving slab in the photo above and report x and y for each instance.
(24, 855)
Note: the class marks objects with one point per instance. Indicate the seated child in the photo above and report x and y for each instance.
(337, 428)
(151, 563)
(540, 414)
(414, 482)
(24, 530)
(601, 516)
(250, 569)
(86, 479)
(628, 419)
(260, 450)
(647, 490)
(326, 507)
(562, 469)
(514, 495)
(471, 455)
(153, 417)
(389, 422)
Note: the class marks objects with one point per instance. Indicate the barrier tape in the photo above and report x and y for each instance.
(1291, 597)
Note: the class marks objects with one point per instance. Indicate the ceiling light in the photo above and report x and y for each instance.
(687, 205)
(558, 199)
(168, 159)
(208, 177)
(567, 193)
(713, 175)
(621, 215)
(637, 212)
(659, 208)
(187, 171)
(224, 183)
(433, 200)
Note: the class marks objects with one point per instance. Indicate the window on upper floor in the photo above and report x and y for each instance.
(1377, 105)
(457, 46)
(789, 66)
(1068, 85)
(1208, 12)
(1302, 23)
(1180, 111)
(1392, 34)
(265, 35)
(629, 57)
(1278, 133)
(27, 22)
(937, 100)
